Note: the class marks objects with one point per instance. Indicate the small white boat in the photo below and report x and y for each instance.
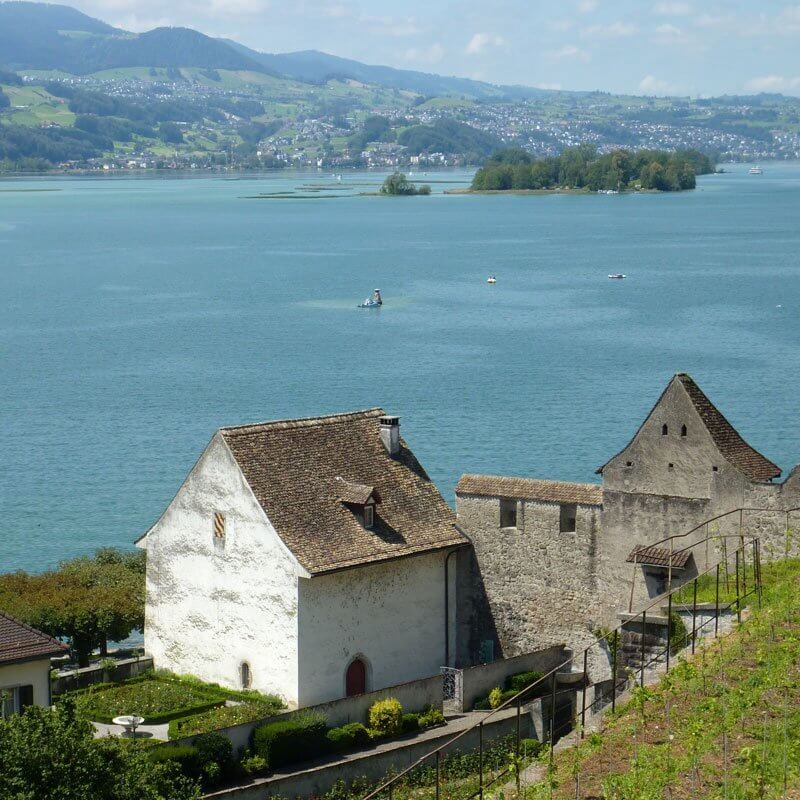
(756, 171)
(376, 301)
(491, 279)
(617, 276)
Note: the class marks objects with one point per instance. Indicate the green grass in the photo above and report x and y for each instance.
(34, 106)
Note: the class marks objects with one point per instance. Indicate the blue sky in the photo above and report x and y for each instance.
(637, 46)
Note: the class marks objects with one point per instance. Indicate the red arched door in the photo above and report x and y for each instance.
(356, 678)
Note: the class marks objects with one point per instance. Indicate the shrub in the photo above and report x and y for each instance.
(530, 747)
(410, 722)
(386, 716)
(216, 748)
(496, 697)
(252, 765)
(290, 740)
(431, 717)
(349, 736)
(522, 680)
(186, 757)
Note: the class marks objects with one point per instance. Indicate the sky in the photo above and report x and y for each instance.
(685, 47)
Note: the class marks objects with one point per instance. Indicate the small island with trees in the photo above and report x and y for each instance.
(397, 185)
(582, 169)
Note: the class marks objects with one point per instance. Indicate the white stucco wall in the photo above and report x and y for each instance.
(391, 615)
(35, 673)
(209, 608)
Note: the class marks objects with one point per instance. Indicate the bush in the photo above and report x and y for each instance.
(410, 722)
(386, 716)
(496, 697)
(186, 757)
(530, 747)
(431, 717)
(216, 748)
(349, 736)
(252, 765)
(290, 740)
(522, 680)
(485, 703)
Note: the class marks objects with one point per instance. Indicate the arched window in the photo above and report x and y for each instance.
(664, 430)
(244, 675)
(356, 678)
(684, 431)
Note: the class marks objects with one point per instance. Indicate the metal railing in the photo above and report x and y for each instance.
(730, 591)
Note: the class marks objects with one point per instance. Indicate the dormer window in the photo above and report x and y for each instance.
(369, 515)
(359, 499)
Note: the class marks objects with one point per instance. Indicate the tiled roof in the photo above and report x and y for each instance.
(531, 489)
(659, 557)
(20, 642)
(356, 494)
(726, 438)
(730, 444)
(292, 467)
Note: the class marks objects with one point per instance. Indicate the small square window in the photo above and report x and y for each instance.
(715, 469)
(369, 516)
(508, 513)
(219, 527)
(629, 463)
(670, 466)
(568, 519)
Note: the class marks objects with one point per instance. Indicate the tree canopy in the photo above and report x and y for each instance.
(51, 755)
(582, 167)
(398, 185)
(87, 600)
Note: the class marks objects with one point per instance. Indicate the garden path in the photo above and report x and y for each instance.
(102, 730)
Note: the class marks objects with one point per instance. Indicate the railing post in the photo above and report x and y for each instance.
(669, 628)
(694, 613)
(738, 604)
(744, 570)
(644, 628)
(553, 713)
(519, 714)
(757, 561)
(716, 605)
(614, 670)
(438, 773)
(583, 693)
(480, 760)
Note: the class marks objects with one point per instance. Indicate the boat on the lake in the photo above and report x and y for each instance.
(756, 171)
(376, 301)
(491, 279)
(617, 276)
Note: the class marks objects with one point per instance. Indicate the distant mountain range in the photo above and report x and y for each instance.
(53, 37)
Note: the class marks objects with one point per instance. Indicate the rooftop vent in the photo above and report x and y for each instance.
(390, 434)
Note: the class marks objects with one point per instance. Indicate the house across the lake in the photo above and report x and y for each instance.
(312, 558)
(25, 655)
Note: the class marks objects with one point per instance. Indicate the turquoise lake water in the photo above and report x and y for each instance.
(139, 315)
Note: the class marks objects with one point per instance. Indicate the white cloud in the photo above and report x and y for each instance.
(389, 26)
(773, 83)
(669, 30)
(481, 41)
(672, 9)
(425, 55)
(616, 30)
(587, 6)
(552, 87)
(652, 85)
(569, 52)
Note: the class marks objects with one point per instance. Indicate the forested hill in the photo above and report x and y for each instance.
(582, 168)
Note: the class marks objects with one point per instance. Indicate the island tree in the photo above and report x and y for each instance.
(398, 185)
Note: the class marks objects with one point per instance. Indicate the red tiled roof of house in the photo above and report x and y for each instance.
(20, 642)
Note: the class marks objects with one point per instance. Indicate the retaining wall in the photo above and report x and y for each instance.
(87, 676)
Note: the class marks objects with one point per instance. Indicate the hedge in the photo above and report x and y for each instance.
(291, 740)
(348, 737)
(522, 680)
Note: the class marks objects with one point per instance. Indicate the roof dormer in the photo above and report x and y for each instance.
(359, 498)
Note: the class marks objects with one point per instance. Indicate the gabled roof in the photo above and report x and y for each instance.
(659, 557)
(531, 489)
(730, 444)
(19, 642)
(355, 494)
(292, 467)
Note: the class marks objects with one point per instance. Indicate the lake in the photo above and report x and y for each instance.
(140, 314)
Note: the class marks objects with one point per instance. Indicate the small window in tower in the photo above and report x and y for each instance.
(684, 431)
(568, 518)
(244, 675)
(670, 466)
(508, 513)
(219, 527)
(715, 469)
(629, 463)
(664, 430)
(369, 515)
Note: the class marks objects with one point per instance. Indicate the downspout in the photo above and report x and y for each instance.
(447, 607)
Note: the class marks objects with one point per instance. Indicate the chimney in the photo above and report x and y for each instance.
(390, 434)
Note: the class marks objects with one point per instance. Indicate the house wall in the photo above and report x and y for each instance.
(29, 673)
(391, 615)
(537, 583)
(211, 607)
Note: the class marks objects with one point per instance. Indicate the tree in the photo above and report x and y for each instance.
(51, 755)
(170, 133)
(88, 600)
(4, 101)
(397, 184)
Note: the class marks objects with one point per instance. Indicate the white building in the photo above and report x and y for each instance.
(309, 558)
(25, 655)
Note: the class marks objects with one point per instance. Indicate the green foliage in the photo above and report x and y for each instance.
(170, 133)
(253, 765)
(291, 740)
(430, 718)
(375, 129)
(87, 599)
(185, 756)
(581, 167)
(522, 680)
(410, 722)
(222, 717)
(496, 697)
(386, 716)
(449, 136)
(53, 755)
(397, 185)
(348, 737)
